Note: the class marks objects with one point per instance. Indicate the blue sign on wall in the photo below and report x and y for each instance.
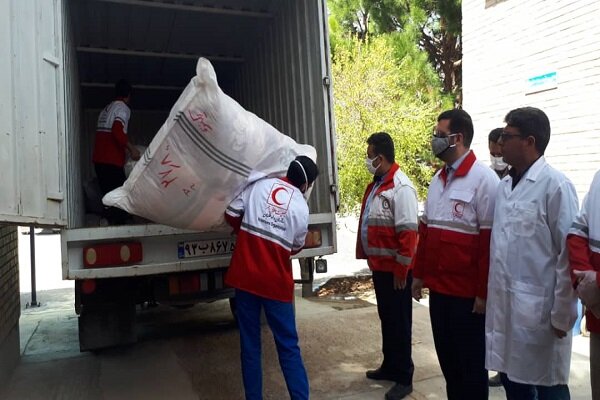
(542, 82)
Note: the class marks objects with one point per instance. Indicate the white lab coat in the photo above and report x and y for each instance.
(529, 287)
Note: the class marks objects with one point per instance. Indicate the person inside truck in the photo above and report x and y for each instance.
(270, 218)
(110, 148)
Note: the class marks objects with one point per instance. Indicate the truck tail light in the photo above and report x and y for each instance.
(112, 254)
(313, 238)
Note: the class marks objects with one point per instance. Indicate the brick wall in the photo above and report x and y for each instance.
(509, 42)
(10, 307)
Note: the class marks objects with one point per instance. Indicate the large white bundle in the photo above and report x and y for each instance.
(206, 152)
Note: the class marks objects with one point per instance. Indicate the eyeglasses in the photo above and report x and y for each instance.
(443, 134)
(506, 136)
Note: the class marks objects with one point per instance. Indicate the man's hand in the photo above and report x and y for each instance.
(135, 153)
(587, 288)
(559, 333)
(399, 283)
(417, 289)
(479, 306)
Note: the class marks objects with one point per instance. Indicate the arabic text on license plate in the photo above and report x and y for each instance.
(201, 248)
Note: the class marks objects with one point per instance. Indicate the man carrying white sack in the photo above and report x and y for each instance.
(270, 217)
(584, 257)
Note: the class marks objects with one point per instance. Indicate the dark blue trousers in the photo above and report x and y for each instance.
(459, 338)
(521, 391)
(281, 319)
(395, 312)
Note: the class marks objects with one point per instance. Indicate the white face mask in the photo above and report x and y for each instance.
(498, 163)
(369, 162)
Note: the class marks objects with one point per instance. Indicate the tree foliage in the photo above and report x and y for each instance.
(383, 84)
(438, 24)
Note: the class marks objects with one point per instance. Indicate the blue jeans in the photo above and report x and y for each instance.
(281, 319)
(521, 391)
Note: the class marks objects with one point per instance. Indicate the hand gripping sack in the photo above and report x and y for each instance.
(205, 153)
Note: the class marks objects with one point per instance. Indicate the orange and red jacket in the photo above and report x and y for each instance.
(391, 225)
(583, 242)
(453, 255)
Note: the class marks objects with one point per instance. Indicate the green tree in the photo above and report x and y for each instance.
(438, 24)
(377, 90)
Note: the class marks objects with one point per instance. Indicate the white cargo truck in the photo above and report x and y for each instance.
(59, 62)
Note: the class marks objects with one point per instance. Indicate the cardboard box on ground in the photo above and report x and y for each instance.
(206, 152)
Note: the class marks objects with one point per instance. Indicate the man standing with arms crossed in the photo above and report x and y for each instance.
(453, 256)
(387, 239)
(531, 303)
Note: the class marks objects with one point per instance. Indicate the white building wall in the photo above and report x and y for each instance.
(507, 42)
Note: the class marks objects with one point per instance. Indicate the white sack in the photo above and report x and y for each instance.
(206, 152)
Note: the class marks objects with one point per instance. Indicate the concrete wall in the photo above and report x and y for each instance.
(507, 43)
(9, 302)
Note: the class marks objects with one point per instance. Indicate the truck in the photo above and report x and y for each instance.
(61, 59)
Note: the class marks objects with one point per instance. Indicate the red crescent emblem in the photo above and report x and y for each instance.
(274, 195)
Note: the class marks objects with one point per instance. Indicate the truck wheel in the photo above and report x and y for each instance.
(233, 308)
(106, 325)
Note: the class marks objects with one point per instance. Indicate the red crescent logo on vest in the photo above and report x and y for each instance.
(274, 195)
(458, 209)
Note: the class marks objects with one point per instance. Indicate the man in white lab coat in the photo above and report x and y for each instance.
(531, 305)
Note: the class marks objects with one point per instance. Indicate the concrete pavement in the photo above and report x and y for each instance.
(194, 354)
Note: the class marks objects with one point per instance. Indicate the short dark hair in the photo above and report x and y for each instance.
(383, 144)
(122, 88)
(460, 122)
(494, 135)
(296, 172)
(531, 121)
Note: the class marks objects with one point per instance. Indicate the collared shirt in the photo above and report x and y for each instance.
(451, 168)
(517, 178)
(364, 225)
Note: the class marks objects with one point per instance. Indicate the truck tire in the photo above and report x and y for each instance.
(106, 325)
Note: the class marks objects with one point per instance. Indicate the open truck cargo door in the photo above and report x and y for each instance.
(31, 113)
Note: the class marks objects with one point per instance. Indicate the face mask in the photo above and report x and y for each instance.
(498, 163)
(441, 144)
(370, 167)
(307, 192)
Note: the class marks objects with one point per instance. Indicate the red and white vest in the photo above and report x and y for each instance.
(583, 241)
(391, 224)
(272, 216)
(111, 138)
(454, 232)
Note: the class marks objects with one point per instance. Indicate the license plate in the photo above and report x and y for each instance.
(205, 248)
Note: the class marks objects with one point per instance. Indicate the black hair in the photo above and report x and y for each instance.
(460, 122)
(295, 172)
(531, 121)
(494, 135)
(122, 88)
(383, 145)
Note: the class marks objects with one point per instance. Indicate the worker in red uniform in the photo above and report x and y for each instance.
(270, 217)
(583, 242)
(387, 239)
(453, 256)
(111, 147)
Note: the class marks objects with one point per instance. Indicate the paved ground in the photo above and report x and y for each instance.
(194, 353)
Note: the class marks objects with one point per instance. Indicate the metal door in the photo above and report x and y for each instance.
(31, 113)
